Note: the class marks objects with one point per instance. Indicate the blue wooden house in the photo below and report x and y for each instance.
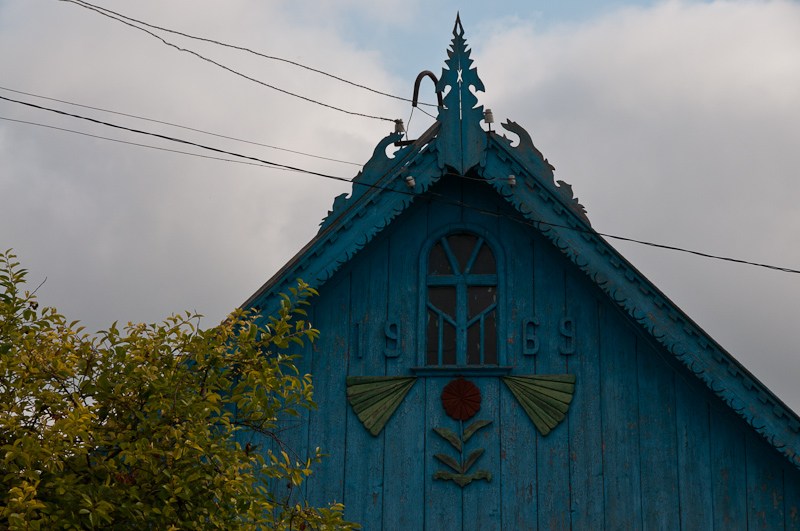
(488, 361)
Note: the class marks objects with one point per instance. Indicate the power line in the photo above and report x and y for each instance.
(182, 127)
(173, 139)
(533, 223)
(231, 70)
(87, 5)
(429, 114)
(139, 145)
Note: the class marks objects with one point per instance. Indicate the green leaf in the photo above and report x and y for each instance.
(475, 426)
(473, 456)
(449, 461)
(462, 480)
(252, 332)
(449, 436)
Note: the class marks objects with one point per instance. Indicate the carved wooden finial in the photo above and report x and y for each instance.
(462, 140)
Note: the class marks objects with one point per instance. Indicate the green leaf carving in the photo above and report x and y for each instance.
(375, 398)
(463, 480)
(449, 461)
(545, 398)
(473, 456)
(449, 436)
(475, 426)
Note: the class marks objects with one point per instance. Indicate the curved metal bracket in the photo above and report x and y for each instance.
(415, 99)
(428, 73)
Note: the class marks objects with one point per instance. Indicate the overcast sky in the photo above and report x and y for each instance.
(675, 122)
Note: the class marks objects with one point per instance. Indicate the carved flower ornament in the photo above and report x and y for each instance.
(461, 399)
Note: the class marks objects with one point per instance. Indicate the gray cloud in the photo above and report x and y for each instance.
(128, 233)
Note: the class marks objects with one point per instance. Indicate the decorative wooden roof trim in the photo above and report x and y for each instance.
(556, 217)
(535, 163)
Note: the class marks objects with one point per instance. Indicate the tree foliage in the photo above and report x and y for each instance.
(137, 428)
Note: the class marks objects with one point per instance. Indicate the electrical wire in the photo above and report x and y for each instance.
(231, 70)
(183, 127)
(87, 5)
(537, 224)
(429, 114)
(173, 139)
(139, 145)
(408, 127)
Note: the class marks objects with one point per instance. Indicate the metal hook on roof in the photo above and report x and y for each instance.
(415, 101)
(421, 75)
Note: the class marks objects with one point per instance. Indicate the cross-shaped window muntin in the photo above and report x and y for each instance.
(461, 302)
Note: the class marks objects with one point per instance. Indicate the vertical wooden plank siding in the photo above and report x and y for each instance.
(328, 427)
(728, 478)
(791, 497)
(620, 414)
(481, 499)
(443, 499)
(404, 434)
(374, 345)
(359, 449)
(585, 428)
(518, 442)
(694, 460)
(552, 451)
(765, 506)
(441, 214)
(481, 199)
(660, 506)
(363, 495)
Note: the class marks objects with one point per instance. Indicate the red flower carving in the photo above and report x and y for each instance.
(461, 399)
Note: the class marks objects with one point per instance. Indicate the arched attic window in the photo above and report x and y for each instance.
(461, 304)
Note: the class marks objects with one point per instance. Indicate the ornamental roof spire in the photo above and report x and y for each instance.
(462, 140)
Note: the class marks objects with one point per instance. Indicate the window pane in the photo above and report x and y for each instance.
(448, 344)
(490, 339)
(438, 264)
(474, 344)
(462, 246)
(479, 298)
(484, 263)
(433, 338)
(447, 263)
(444, 299)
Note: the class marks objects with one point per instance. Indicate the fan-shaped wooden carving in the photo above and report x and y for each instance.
(545, 398)
(375, 398)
